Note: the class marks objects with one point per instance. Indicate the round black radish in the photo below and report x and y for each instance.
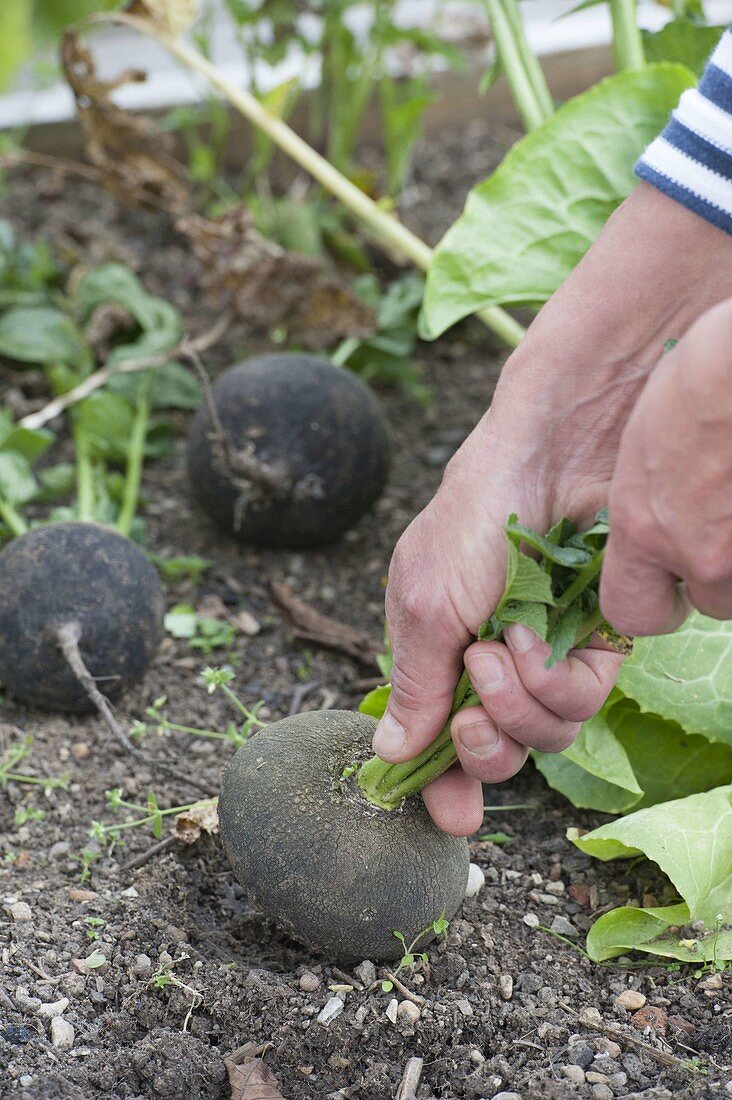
(305, 451)
(325, 865)
(93, 585)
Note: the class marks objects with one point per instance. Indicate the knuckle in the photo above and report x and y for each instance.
(712, 563)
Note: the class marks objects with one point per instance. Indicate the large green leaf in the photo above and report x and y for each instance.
(684, 41)
(594, 773)
(526, 227)
(39, 334)
(655, 931)
(17, 484)
(685, 677)
(691, 841)
(159, 320)
(667, 762)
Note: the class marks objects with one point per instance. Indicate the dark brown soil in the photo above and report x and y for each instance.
(507, 1005)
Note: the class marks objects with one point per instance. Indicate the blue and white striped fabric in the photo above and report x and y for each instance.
(691, 160)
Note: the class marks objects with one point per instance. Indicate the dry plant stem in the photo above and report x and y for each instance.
(415, 998)
(100, 377)
(145, 857)
(67, 637)
(410, 1079)
(621, 1036)
(19, 157)
(383, 224)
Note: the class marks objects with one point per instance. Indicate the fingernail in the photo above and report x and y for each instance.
(487, 673)
(479, 738)
(390, 736)
(520, 638)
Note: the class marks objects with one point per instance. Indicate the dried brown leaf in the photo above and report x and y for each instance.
(173, 17)
(251, 1079)
(201, 818)
(312, 626)
(128, 149)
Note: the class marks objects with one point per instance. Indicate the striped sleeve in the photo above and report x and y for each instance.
(691, 160)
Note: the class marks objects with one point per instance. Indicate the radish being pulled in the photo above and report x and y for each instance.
(332, 842)
(79, 604)
(288, 451)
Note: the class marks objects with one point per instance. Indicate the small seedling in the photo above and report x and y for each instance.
(95, 960)
(164, 977)
(213, 678)
(411, 957)
(93, 924)
(9, 761)
(180, 567)
(86, 857)
(201, 631)
(497, 838)
(149, 815)
(25, 814)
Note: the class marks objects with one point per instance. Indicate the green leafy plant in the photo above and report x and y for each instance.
(200, 631)
(235, 734)
(140, 816)
(411, 957)
(9, 761)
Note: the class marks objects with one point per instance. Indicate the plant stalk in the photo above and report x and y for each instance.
(383, 224)
(627, 41)
(12, 519)
(84, 477)
(135, 457)
(524, 74)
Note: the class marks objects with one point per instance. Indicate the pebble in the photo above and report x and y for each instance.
(505, 985)
(408, 1013)
(581, 1054)
(366, 971)
(596, 1078)
(590, 1017)
(557, 887)
(563, 926)
(464, 1006)
(24, 1000)
(606, 1046)
(506, 1096)
(392, 1009)
(130, 892)
(309, 982)
(142, 966)
(79, 750)
(531, 920)
(58, 850)
(602, 1092)
(650, 1016)
(332, 1008)
(617, 1080)
(476, 1057)
(55, 1008)
(575, 1074)
(714, 981)
(20, 911)
(62, 1033)
(25, 1080)
(77, 893)
(476, 881)
(630, 999)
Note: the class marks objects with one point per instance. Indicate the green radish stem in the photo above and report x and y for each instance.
(388, 228)
(84, 477)
(628, 49)
(387, 785)
(135, 457)
(12, 518)
(523, 72)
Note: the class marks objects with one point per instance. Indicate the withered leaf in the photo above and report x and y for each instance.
(173, 17)
(251, 1079)
(201, 818)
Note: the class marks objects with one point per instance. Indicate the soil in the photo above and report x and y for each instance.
(508, 1006)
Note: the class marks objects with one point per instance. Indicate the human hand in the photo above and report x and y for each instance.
(546, 448)
(670, 496)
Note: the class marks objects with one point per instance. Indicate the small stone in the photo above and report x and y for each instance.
(55, 1008)
(59, 850)
(679, 1024)
(332, 1008)
(24, 1000)
(556, 888)
(606, 1046)
(506, 1096)
(580, 892)
(590, 1017)
(617, 1080)
(531, 920)
(650, 1016)
(25, 1080)
(408, 1013)
(630, 999)
(142, 966)
(77, 893)
(464, 1006)
(575, 1074)
(563, 927)
(366, 972)
(714, 981)
(130, 892)
(505, 985)
(602, 1092)
(392, 1009)
(309, 982)
(20, 911)
(476, 881)
(476, 1057)
(581, 1054)
(596, 1078)
(62, 1033)
(79, 750)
